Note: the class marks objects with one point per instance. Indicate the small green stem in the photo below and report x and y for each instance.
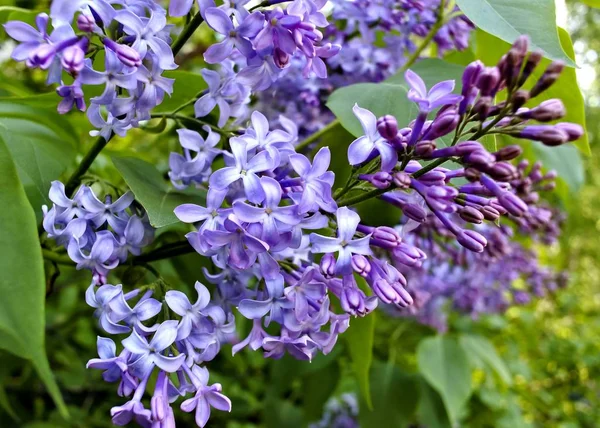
(438, 24)
(164, 252)
(189, 103)
(85, 164)
(364, 197)
(186, 33)
(183, 118)
(314, 137)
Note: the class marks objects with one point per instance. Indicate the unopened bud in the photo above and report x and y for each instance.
(444, 123)
(380, 180)
(490, 213)
(483, 106)
(573, 130)
(548, 78)
(519, 99)
(547, 111)
(281, 58)
(547, 134)
(401, 180)
(465, 147)
(533, 60)
(508, 153)
(328, 265)
(73, 59)
(481, 158)
(424, 148)
(361, 265)
(126, 54)
(488, 80)
(471, 240)
(472, 174)
(388, 127)
(503, 171)
(85, 23)
(471, 215)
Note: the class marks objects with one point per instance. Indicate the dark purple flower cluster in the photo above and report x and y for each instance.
(135, 56)
(98, 235)
(505, 274)
(358, 24)
(171, 349)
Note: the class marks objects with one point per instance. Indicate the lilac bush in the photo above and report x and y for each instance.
(288, 248)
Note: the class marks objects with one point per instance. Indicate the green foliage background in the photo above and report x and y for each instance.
(538, 365)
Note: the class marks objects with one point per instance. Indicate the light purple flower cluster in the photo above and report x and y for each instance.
(135, 56)
(262, 45)
(358, 24)
(256, 227)
(174, 348)
(476, 284)
(98, 235)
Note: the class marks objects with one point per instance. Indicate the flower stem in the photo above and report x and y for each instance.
(438, 24)
(315, 136)
(188, 119)
(187, 32)
(57, 258)
(85, 164)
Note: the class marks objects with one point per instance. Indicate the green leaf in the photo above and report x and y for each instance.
(508, 19)
(42, 146)
(187, 86)
(359, 338)
(317, 387)
(445, 365)
(489, 49)
(380, 98)
(22, 283)
(431, 410)
(151, 190)
(482, 349)
(395, 396)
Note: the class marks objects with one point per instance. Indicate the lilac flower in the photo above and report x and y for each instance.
(210, 216)
(344, 244)
(144, 309)
(72, 96)
(109, 125)
(99, 259)
(190, 314)
(238, 37)
(361, 148)
(133, 409)
(205, 398)
(439, 95)
(244, 169)
(100, 300)
(317, 181)
(155, 87)
(243, 246)
(207, 102)
(301, 348)
(148, 35)
(149, 354)
(273, 218)
(112, 364)
(99, 213)
(115, 75)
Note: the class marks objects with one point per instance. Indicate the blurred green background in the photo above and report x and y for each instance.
(550, 349)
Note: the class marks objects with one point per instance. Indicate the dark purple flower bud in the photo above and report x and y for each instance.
(508, 153)
(391, 293)
(531, 63)
(471, 215)
(414, 212)
(388, 127)
(483, 106)
(490, 213)
(72, 59)
(126, 54)
(361, 265)
(353, 300)
(433, 178)
(465, 147)
(513, 204)
(401, 180)
(472, 174)
(573, 130)
(327, 265)
(471, 240)
(409, 255)
(519, 99)
(481, 158)
(496, 205)
(380, 180)
(503, 171)
(548, 78)
(488, 80)
(550, 135)
(424, 148)
(386, 236)
(443, 124)
(521, 45)
(85, 23)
